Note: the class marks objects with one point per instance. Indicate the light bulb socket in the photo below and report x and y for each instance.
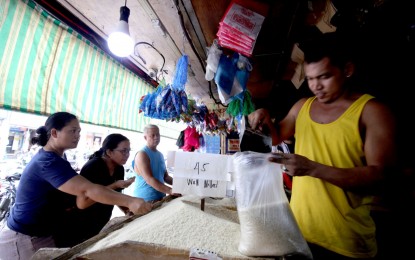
(124, 13)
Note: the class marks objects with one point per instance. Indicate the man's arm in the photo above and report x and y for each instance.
(168, 179)
(281, 131)
(142, 167)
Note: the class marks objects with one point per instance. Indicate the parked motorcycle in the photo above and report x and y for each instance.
(8, 195)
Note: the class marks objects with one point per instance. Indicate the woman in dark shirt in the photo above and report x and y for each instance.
(104, 167)
(38, 213)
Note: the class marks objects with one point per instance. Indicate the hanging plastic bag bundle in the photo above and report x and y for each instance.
(241, 106)
(178, 85)
(143, 101)
(180, 76)
(268, 226)
(148, 104)
(153, 102)
(168, 101)
(162, 101)
(232, 76)
(214, 54)
(176, 101)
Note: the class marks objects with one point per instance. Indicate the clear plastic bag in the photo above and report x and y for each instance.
(214, 53)
(268, 226)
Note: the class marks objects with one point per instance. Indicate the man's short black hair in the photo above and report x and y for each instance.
(332, 45)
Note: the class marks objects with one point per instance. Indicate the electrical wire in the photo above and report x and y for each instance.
(138, 55)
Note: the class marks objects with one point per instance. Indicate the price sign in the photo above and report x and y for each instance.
(201, 174)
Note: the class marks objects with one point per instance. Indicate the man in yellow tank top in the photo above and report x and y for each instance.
(344, 142)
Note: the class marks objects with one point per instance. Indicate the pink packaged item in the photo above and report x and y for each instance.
(244, 20)
(240, 26)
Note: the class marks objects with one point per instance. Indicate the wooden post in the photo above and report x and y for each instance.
(202, 204)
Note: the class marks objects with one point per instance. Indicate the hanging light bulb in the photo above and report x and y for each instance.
(119, 41)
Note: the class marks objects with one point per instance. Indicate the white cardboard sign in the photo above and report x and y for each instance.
(201, 174)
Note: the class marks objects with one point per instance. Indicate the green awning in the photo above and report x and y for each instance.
(46, 67)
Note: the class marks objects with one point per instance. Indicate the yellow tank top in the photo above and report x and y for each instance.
(326, 214)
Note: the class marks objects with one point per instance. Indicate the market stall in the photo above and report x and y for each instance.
(243, 216)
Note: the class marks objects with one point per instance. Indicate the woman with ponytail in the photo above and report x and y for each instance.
(46, 183)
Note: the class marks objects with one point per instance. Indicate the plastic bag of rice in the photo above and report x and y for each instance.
(268, 226)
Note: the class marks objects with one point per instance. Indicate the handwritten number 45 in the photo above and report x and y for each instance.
(200, 168)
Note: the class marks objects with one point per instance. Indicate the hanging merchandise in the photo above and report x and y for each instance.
(214, 54)
(211, 122)
(170, 101)
(191, 139)
(148, 103)
(161, 103)
(232, 76)
(178, 86)
(180, 76)
(240, 26)
(198, 114)
(211, 144)
(241, 106)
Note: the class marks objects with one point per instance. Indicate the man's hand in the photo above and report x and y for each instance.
(259, 118)
(294, 164)
(170, 192)
(176, 194)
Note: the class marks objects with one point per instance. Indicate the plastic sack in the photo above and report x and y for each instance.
(268, 226)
